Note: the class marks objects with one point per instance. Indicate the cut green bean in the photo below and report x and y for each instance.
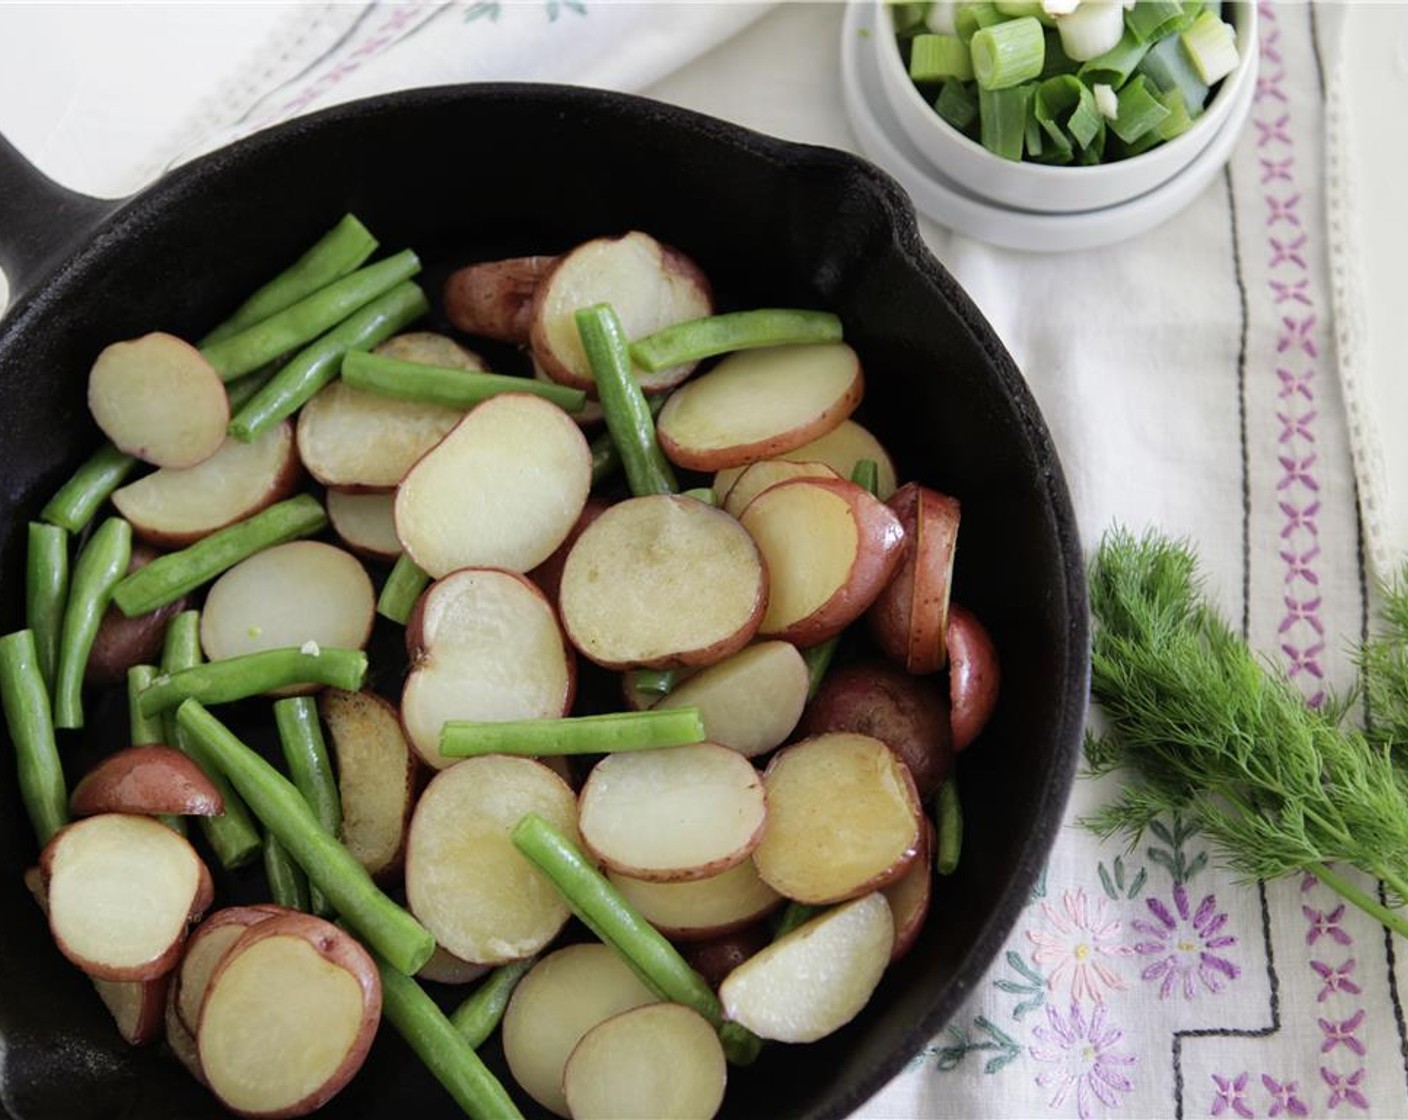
(794, 915)
(317, 364)
(142, 730)
(241, 392)
(818, 659)
(30, 721)
(607, 914)
(599, 734)
(703, 494)
(253, 674)
(1007, 54)
(313, 315)
(46, 593)
(606, 458)
(101, 563)
(651, 683)
(79, 498)
(329, 866)
(401, 590)
(478, 1016)
(738, 330)
(306, 754)
(866, 475)
(453, 388)
(443, 1049)
(949, 828)
(288, 886)
(169, 577)
(623, 404)
(338, 252)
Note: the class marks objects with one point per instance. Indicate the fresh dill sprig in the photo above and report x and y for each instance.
(1383, 672)
(1216, 733)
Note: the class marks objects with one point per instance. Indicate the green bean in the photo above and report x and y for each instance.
(46, 593)
(169, 577)
(100, 565)
(338, 252)
(477, 1016)
(651, 684)
(606, 458)
(600, 734)
(302, 322)
(703, 494)
(329, 866)
(252, 674)
(949, 828)
(288, 886)
(241, 392)
(738, 330)
(306, 754)
(142, 730)
(232, 835)
(818, 659)
(443, 1049)
(794, 915)
(866, 475)
(623, 404)
(30, 721)
(317, 363)
(453, 388)
(401, 590)
(79, 498)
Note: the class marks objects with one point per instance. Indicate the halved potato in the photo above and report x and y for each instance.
(137, 1007)
(156, 397)
(650, 285)
(757, 477)
(840, 449)
(667, 815)
(662, 581)
(205, 949)
(758, 404)
(716, 957)
(843, 819)
(830, 548)
(444, 967)
(466, 882)
(974, 674)
(150, 780)
(495, 298)
(750, 701)
(700, 909)
(910, 894)
(562, 997)
(548, 574)
(502, 490)
(180, 1038)
(366, 522)
(485, 645)
(173, 507)
(909, 619)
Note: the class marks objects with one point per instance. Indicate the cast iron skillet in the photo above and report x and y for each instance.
(473, 172)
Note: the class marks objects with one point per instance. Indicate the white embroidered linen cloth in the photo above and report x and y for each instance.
(1190, 380)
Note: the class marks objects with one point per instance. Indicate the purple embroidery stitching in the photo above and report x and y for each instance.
(1182, 944)
(1325, 925)
(1342, 1033)
(1083, 1052)
(1336, 979)
(1283, 1098)
(1230, 1095)
(1345, 1089)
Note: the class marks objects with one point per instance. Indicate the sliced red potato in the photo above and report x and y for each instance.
(590, 413)
(700, 909)
(149, 780)
(830, 548)
(659, 1062)
(444, 967)
(180, 1038)
(974, 674)
(662, 581)
(669, 815)
(375, 777)
(156, 397)
(816, 979)
(466, 882)
(495, 298)
(485, 645)
(715, 958)
(122, 642)
(908, 714)
(757, 477)
(289, 595)
(650, 285)
(909, 618)
(843, 819)
(205, 949)
(840, 449)
(749, 702)
(174, 507)
(548, 574)
(366, 522)
(357, 439)
(502, 490)
(758, 404)
(560, 998)
(909, 895)
(122, 889)
(288, 1017)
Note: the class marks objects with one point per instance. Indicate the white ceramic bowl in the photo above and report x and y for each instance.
(1042, 187)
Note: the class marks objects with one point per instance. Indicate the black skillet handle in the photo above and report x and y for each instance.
(40, 221)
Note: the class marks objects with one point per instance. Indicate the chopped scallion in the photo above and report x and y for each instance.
(1168, 66)
(1139, 111)
(1149, 20)
(957, 104)
(934, 58)
(1212, 46)
(1002, 117)
(1007, 54)
(1114, 67)
(971, 17)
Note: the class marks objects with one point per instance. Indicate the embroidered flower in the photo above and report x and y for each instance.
(1079, 947)
(1230, 1094)
(1283, 1098)
(1336, 979)
(1326, 925)
(1342, 1033)
(1084, 1058)
(1183, 944)
(1344, 1088)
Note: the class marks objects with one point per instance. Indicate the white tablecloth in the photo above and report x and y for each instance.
(1190, 381)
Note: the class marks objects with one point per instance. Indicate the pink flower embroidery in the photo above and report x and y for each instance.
(1079, 948)
(1230, 1095)
(1283, 1098)
(1183, 944)
(1084, 1059)
(1342, 1033)
(1344, 1089)
(1336, 979)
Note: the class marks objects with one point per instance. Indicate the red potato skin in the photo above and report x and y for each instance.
(715, 958)
(150, 995)
(909, 618)
(911, 910)
(180, 1038)
(974, 675)
(147, 780)
(908, 714)
(122, 642)
(362, 551)
(244, 916)
(494, 299)
(548, 574)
